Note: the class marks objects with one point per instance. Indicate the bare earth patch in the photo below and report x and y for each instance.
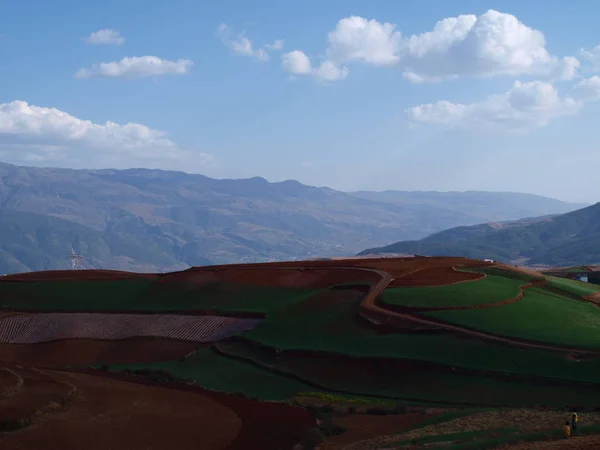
(524, 419)
(574, 443)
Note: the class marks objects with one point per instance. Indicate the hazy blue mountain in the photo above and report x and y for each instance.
(154, 220)
(561, 240)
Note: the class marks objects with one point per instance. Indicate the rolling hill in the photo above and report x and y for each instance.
(153, 220)
(371, 353)
(568, 239)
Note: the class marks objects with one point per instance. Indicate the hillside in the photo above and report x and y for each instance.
(568, 239)
(384, 352)
(153, 220)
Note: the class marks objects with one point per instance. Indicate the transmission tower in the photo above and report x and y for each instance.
(77, 260)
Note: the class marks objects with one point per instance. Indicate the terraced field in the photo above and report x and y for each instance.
(402, 335)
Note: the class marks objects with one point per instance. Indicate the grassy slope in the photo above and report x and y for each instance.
(143, 295)
(218, 373)
(574, 287)
(490, 289)
(541, 316)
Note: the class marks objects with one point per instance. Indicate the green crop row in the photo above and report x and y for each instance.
(540, 316)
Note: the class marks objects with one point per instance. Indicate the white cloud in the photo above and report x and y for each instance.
(136, 67)
(48, 136)
(330, 71)
(524, 106)
(368, 41)
(492, 44)
(276, 45)
(297, 63)
(587, 90)
(240, 44)
(105, 36)
(592, 56)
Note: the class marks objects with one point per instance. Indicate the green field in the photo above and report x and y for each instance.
(334, 327)
(573, 287)
(540, 316)
(217, 373)
(491, 289)
(425, 384)
(144, 295)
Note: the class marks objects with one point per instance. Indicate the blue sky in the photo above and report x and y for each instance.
(358, 95)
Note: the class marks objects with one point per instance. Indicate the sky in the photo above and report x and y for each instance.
(354, 95)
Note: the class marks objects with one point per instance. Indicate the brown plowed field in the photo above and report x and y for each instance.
(107, 413)
(44, 327)
(80, 351)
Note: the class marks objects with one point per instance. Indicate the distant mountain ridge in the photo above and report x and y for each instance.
(155, 220)
(559, 240)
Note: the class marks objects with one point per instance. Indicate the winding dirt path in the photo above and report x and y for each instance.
(372, 310)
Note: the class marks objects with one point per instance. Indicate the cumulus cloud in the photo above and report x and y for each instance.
(592, 56)
(492, 44)
(362, 40)
(136, 67)
(297, 63)
(240, 44)
(48, 136)
(330, 71)
(524, 106)
(587, 90)
(105, 36)
(276, 45)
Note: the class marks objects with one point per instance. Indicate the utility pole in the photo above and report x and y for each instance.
(77, 260)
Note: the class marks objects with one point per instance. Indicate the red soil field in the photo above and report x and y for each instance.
(265, 425)
(107, 413)
(74, 352)
(316, 274)
(10, 382)
(43, 327)
(39, 392)
(435, 276)
(290, 277)
(76, 275)
(362, 427)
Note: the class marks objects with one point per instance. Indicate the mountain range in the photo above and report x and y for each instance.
(155, 220)
(557, 240)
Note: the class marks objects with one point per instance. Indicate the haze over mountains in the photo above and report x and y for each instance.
(154, 220)
(567, 239)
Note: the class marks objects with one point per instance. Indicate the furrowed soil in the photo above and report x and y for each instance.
(90, 352)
